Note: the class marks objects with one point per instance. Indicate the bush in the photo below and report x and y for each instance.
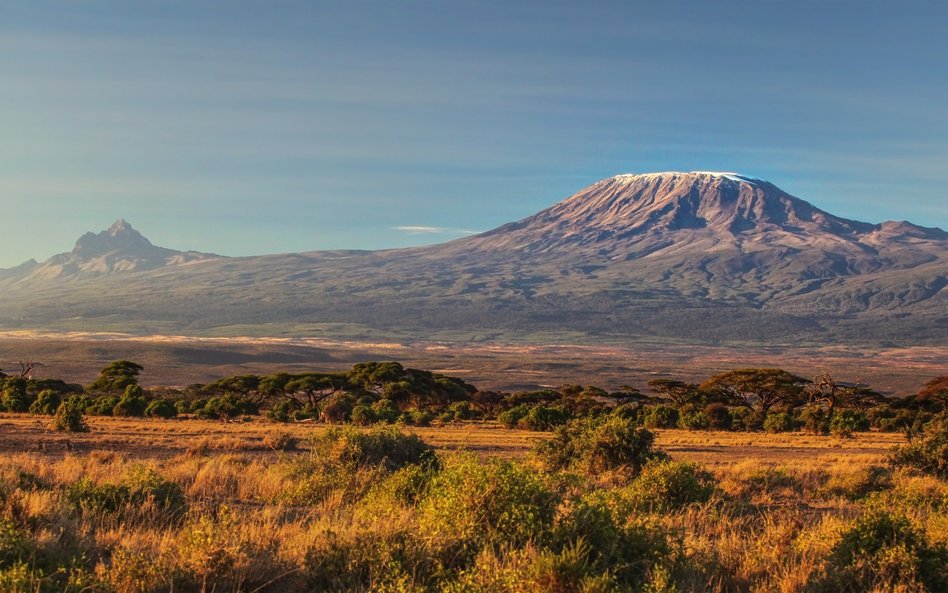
(161, 408)
(667, 485)
(416, 417)
(510, 418)
(928, 454)
(746, 420)
(661, 417)
(542, 418)
(385, 411)
(779, 422)
(719, 417)
(14, 544)
(363, 415)
(388, 448)
(883, 551)
(228, 405)
(694, 421)
(14, 397)
(471, 503)
(102, 406)
(846, 422)
(47, 402)
(282, 411)
(598, 444)
(132, 403)
(68, 418)
(815, 419)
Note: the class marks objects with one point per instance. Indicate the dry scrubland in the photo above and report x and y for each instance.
(191, 505)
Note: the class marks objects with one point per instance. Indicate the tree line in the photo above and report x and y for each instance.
(749, 399)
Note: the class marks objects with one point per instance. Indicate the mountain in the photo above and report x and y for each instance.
(687, 257)
(120, 248)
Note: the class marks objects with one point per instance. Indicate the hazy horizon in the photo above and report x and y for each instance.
(285, 127)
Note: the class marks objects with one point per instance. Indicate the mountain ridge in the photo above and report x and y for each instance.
(703, 256)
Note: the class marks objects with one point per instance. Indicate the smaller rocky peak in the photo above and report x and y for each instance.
(118, 237)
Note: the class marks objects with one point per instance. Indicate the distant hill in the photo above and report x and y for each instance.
(696, 257)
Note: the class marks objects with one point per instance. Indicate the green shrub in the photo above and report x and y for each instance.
(68, 418)
(14, 544)
(132, 403)
(694, 421)
(815, 419)
(363, 415)
(719, 417)
(388, 448)
(667, 485)
(543, 418)
(779, 422)
(883, 551)
(385, 411)
(928, 454)
(510, 418)
(46, 403)
(598, 444)
(622, 548)
(661, 417)
(416, 417)
(845, 422)
(460, 411)
(161, 408)
(229, 405)
(14, 397)
(471, 503)
(102, 405)
(385, 562)
(746, 420)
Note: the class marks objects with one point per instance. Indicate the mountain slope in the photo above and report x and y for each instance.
(706, 257)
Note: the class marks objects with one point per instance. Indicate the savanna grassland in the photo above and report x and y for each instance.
(138, 505)
(385, 478)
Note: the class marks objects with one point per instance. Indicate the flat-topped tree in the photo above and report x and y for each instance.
(680, 393)
(117, 376)
(759, 389)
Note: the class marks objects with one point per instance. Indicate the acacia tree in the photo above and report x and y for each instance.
(758, 389)
(827, 391)
(680, 393)
(117, 376)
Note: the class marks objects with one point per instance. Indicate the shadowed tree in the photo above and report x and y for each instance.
(117, 376)
(936, 390)
(758, 389)
(680, 393)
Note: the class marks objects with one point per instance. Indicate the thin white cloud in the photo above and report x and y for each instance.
(432, 230)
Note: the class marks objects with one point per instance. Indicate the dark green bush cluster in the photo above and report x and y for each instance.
(883, 551)
(597, 444)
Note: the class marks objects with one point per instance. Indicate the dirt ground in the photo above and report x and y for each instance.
(153, 438)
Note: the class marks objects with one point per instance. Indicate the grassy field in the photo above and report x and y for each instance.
(155, 438)
(185, 505)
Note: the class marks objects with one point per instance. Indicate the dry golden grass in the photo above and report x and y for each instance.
(155, 438)
(782, 505)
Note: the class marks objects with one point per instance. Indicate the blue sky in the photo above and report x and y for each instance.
(258, 127)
